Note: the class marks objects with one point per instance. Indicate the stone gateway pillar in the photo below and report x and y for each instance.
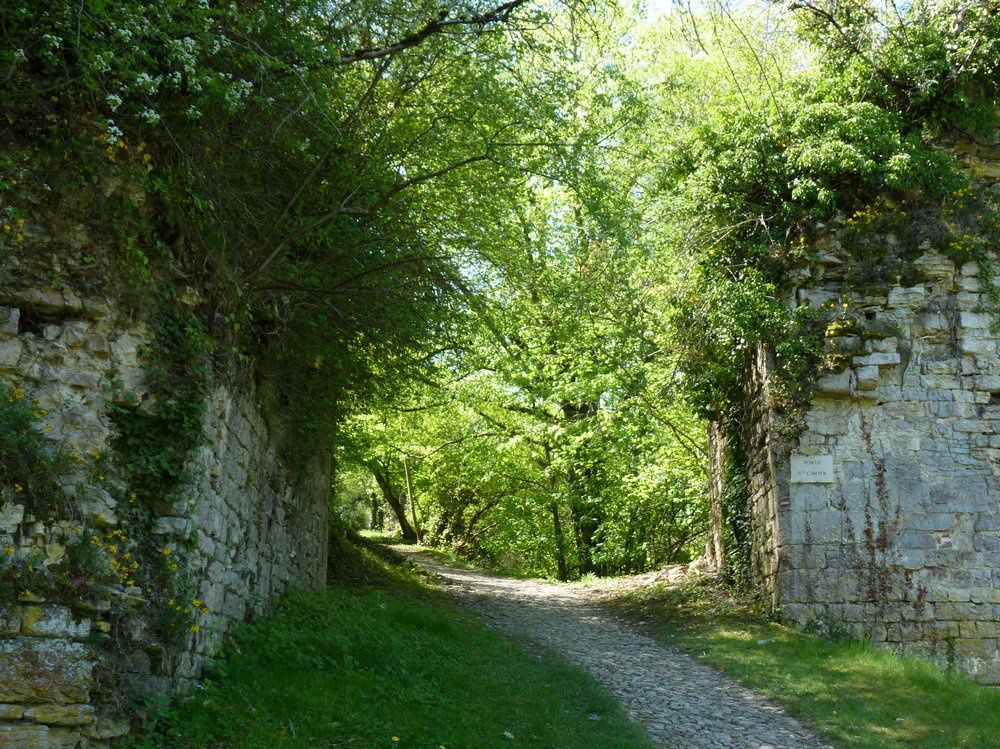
(877, 513)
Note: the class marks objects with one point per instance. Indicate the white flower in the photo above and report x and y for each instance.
(114, 101)
(150, 115)
(147, 83)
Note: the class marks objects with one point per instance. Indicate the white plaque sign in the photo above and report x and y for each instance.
(812, 469)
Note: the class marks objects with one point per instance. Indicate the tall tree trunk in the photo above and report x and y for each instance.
(377, 515)
(562, 567)
(715, 548)
(395, 504)
(412, 500)
(585, 527)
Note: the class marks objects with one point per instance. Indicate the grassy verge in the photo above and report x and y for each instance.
(383, 660)
(858, 695)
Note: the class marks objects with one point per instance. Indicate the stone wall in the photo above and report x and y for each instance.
(900, 542)
(243, 526)
(903, 544)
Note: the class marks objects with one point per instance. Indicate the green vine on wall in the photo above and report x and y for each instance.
(152, 449)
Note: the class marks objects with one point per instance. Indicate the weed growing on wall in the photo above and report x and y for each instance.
(31, 465)
(154, 442)
(154, 439)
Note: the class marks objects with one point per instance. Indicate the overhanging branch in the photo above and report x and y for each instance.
(499, 14)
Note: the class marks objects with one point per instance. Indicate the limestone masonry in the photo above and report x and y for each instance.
(888, 524)
(250, 527)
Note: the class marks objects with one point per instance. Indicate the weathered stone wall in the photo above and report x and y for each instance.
(247, 527)
(764, 461)
(904, 544)
(901, 543)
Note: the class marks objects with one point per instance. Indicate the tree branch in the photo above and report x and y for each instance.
(499, 14)
(347, 210)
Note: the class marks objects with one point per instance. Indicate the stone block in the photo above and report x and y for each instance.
(11, 516)
(976, 319)
(10, 352)
(817, 297)
(977, 343)
(24, 736)
(10, 619)
(107, 727)
(970, 283)
(987, 382)
(926, 323)
(39, 670)
(884, 359)
(47, 299)
(906, 297)
(178, 527)
(53, 621)
(826, 423)
(97, 345)
(916, 540)
(9, 319)
(844, 344)
(932, 521)
(98, 504)
(882, 345)
(61, 715)
(11, 712)
(837, 385)
(866, 378)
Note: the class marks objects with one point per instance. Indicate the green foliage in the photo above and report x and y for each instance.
(933, 62)
(317, 198)
(23, 575)
(31, 466)
(151, 451)
(772, 131)
(747, 182)
(363, 665)
(546, 441)
(735, 502)
(153, 443)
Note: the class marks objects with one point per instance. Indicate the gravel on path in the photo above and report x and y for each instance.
(678, 701)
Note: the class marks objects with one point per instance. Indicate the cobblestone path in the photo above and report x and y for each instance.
(679, 702)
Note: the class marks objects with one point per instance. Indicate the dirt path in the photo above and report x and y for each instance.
(679, 702)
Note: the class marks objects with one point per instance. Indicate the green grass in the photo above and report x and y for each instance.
(857, 695)
(386, 656)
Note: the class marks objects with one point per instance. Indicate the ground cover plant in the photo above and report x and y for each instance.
(381, 659)
(856, 694)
